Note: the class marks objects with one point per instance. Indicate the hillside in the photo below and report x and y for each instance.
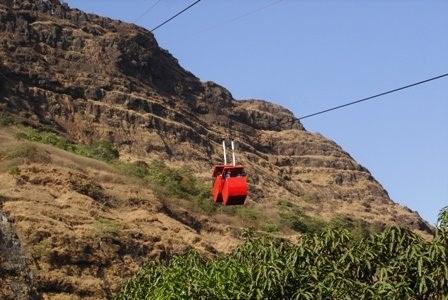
(81, 226)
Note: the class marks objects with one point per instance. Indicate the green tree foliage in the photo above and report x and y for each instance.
(443, 219)
(393, 264)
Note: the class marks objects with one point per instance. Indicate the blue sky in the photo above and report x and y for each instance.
(310, 55)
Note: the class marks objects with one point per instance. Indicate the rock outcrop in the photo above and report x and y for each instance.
(15, 274)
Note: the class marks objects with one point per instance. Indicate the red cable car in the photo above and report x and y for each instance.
(230, 182)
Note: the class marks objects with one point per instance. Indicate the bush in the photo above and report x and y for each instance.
(292, 216)
(202, 199)
(359, 228)
(306, 224)
(180, 182)
(169, 182)
(135, 169)
(44, 137)
(249, 213)
(14, 171)
(271, 227)
(42, 248)
(101, 150)
(6, 120)
(394, 264)
(106, 228)
(27, 152)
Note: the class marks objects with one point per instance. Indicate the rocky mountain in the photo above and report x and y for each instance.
(92, 78)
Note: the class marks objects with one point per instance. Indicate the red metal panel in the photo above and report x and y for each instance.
(234, 191)
(217, 188)
(230, 185)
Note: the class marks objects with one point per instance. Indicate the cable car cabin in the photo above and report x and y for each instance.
(230, 185)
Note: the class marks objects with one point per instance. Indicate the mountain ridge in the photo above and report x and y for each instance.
(149, 105)
(92, 78)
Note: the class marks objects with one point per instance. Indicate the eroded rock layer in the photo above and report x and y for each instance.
(94, 78)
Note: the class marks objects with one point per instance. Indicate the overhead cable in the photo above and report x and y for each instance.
(373, 97)
(176, 15)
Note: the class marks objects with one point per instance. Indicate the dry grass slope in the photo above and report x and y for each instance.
(85, 226)
(88, 224)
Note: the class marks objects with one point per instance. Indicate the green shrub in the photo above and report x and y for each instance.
(249, 213)
(303, 223)
(393, 264)
(14, 171)
(179, 182)
(6, 120)
(292, 216)
(228, 210)
(284, 203)
(27, 152)
(359, 228)
(167, 182)
(271, 227)
(43, 137)
(42, 248)
(202, 199)
(105, 228)
(135, 169)
(101, 150)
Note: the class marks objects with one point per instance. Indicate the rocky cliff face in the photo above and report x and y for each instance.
(15, 275)
(90, 78)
